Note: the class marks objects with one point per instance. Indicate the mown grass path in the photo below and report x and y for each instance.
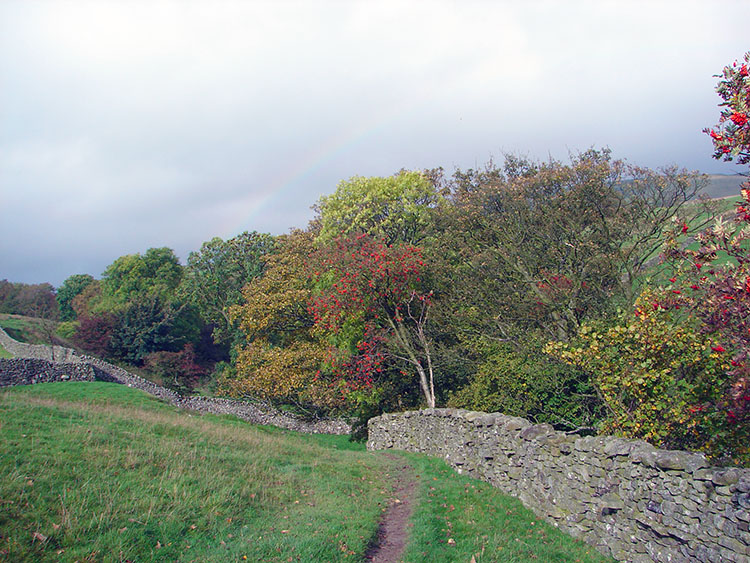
(101, 472)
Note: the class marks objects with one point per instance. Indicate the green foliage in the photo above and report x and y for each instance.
(543, 246)
(526, 383)
(155, 274)
(660, 378)
(215, 275)
(71, 287)
(396, 208)
(67, 329)
(148, 325)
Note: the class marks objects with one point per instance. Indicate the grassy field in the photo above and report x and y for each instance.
(101, 472)
(30, 330)
(4, 353)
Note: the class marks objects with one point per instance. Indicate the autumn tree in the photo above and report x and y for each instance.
(33, 300)
(377, 285)
(280, 356)
(674, 369)
(542, 245)
(731, 136)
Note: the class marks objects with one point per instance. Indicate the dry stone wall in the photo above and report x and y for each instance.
(35, 365)
(36, 351)
(29, 371)
(629, 499)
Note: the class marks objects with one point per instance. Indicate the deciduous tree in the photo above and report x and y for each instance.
(395, 208)
(215, 275)
(69, 289)
(377, 284)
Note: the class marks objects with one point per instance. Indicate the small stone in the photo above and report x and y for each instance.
(726, 477)
(533, 432)
(671, 459)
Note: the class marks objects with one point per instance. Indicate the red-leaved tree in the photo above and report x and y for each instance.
(380, 288)
(713, 280)
(731, 136)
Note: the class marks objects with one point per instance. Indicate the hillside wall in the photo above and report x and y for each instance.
(37, 364)
(627, 498)
(36, 351)
(17, 371)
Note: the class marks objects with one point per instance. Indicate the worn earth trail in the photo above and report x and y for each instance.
(394, 527)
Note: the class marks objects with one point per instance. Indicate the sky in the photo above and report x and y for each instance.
(137, 124)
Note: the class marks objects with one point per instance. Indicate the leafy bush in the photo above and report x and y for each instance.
(67, 329)
(178, 370)
(525, 383)
(661, 378)
(94, 334)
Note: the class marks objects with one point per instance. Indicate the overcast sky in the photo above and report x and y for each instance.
(130, 125)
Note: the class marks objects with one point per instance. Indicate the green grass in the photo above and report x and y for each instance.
(26, 329)
(483, 523)
(4, 353)
(102, 472)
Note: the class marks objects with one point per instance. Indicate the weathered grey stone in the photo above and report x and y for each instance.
(618, 447)
(671, 459)
(726, 476)
(613, 501)
(515, 423)
(742, 500)
(533, 432)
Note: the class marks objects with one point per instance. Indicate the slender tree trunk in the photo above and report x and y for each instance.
(428, 388)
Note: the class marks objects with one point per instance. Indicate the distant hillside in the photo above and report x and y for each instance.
(724, 185)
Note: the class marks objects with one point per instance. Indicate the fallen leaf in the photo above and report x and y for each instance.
(40, 537)
(451, 541)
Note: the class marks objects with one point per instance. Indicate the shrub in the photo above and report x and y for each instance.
(525, 383)
(178, 370)
(67, 329)
(661, 378)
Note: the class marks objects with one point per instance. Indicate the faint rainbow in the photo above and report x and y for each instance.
(336, 145)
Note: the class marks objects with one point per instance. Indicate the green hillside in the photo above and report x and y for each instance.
(724, 185)
(101, 472)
